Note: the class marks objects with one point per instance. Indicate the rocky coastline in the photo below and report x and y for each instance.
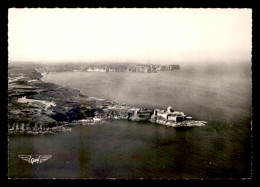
(105, 67)
(37, 107)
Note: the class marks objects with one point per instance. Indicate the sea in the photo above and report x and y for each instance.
(220, 94)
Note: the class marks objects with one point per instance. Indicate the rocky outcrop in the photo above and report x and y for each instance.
(141, 115)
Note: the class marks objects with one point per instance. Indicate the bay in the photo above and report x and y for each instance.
(124, 149)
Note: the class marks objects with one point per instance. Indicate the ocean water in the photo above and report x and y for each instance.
(220, 95)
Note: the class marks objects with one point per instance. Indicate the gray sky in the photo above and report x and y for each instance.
(130, 35)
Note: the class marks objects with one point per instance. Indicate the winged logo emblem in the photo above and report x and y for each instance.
(35, 158)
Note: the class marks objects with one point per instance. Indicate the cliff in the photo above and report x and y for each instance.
(142, 68)
(101, 67)
(36, 106)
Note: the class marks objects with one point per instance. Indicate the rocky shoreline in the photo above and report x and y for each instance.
(37, 107)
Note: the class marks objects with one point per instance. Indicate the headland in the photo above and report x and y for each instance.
(36, 107)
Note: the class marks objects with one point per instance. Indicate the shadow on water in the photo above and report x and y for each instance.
(124, 149)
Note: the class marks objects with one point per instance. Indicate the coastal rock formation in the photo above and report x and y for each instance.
(141, 115)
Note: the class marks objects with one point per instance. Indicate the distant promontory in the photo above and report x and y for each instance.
(104, 67)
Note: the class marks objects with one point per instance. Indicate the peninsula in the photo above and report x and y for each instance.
(35, 106)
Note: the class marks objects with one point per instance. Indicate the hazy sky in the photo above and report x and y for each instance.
(140, 35)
